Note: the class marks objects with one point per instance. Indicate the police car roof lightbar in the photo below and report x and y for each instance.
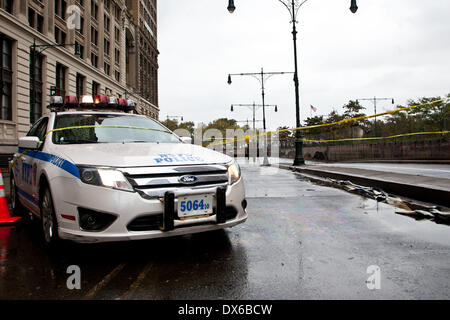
(71, 102)
(113, 102)
(131, 105)
(58, 103)
(87, 100)
(121, 104)
(101, 101)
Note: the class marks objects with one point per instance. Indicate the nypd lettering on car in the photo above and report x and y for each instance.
(180, 157)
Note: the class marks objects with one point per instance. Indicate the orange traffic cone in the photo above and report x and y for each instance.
(5, 216)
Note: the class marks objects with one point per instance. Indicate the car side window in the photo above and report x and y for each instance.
(39, 129)
(32, 131)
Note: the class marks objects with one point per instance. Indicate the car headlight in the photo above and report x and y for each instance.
(234, 173)
(103, 177)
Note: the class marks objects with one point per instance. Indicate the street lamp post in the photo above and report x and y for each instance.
(254, 107)
(262, 78)
(36, 50)
(374, 100)
(293, 6)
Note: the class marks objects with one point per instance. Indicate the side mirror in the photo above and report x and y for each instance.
(32, 143)
(187, 140)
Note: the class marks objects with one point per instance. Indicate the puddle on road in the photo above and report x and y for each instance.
(432, 230)
(384, 213)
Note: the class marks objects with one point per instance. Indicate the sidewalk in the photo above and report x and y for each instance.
(423, 188)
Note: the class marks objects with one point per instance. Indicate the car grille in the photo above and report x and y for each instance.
(154, 181)
(146, 223)
(153, 222)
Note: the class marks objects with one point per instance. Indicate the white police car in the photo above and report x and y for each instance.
(94, 173)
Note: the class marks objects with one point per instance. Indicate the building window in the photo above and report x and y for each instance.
(94, 10)
(79, 86)
(95, 88)
(107, 5)
(94, 60)
(7, 5)
(31, 15)
(94, 36)
(106, 46)
(117, 75)
(60, 36)
(117, 12)
(117, 56)
(60, 8)
(81, 30)
(60, 80)
(81, 49)
(35, 20)
(40, 23)
(106, 22)
(117, 34)
(35, 86)
(107, 68)
(5, 78)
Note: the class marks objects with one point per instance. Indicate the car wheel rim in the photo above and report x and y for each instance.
(47, 218)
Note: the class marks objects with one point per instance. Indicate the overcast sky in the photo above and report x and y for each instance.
(396, 49)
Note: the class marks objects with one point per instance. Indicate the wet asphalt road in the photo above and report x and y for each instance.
(301, 241)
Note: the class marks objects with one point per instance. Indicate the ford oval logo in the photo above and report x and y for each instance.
(188, 179)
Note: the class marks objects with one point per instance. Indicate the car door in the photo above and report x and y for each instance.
(27, 165)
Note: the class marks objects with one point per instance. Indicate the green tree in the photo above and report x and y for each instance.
(285, 135)
(170, 124)
(222, 125)
(189, 126)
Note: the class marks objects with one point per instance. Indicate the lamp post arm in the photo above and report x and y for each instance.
(293, 7)
(261, 77)
(46, 46)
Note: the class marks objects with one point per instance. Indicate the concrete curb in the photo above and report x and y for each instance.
(423, 193)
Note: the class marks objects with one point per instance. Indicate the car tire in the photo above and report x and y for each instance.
(18, 209)
(48, 219)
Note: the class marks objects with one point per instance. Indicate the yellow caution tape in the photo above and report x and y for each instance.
(428, 104)
(104, 126)
(83, 127)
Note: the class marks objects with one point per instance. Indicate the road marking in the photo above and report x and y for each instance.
(104, 282)
(137, 283)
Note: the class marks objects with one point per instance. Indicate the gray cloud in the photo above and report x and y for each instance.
(389, 48)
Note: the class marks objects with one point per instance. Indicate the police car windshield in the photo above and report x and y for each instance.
(108, 128)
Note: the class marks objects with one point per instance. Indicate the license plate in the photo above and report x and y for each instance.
(197, 205)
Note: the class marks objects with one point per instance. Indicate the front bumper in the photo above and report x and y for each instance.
(127, 206)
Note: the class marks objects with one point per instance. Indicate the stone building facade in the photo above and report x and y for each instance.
(117, 56)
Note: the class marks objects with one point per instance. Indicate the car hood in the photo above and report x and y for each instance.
(140, 154)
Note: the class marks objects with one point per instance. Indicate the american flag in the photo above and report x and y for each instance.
(313, 109)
